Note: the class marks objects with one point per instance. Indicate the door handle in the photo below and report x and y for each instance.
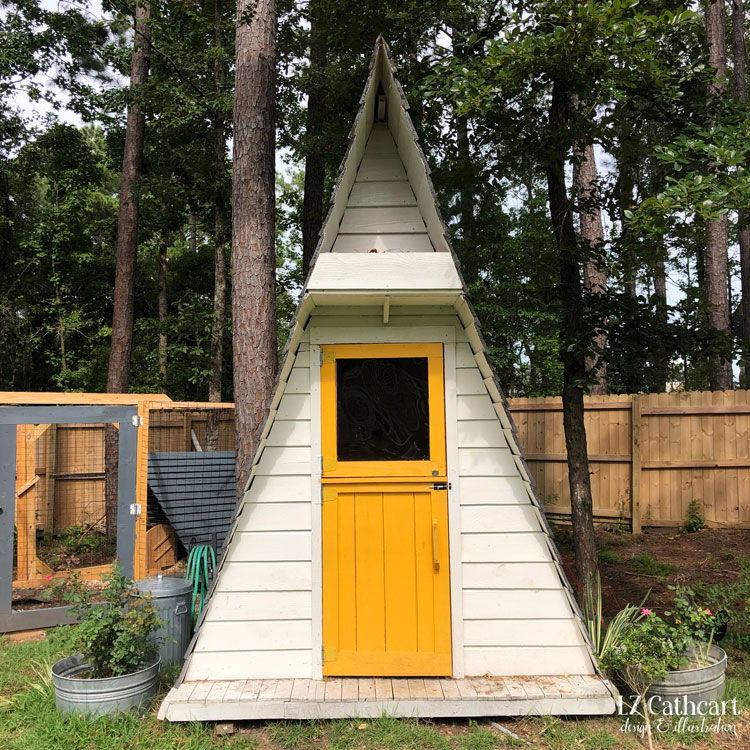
(435, 546)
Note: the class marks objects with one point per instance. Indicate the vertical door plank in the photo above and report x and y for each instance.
(425, 590)
(329, 531)
(400, 572)
(370, 574)
(347, 582)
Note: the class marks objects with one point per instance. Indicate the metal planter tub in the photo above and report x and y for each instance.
(103, 696)
(691, 690)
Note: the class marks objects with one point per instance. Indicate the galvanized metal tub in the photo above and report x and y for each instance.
(692, 689)
(172, 598)
(103, 696)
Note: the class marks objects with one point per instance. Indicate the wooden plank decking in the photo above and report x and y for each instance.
(372, 697)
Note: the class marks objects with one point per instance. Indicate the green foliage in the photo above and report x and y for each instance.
(731, 603)
(645, 652)
(607, 557)
(68, 545)
(694, 519)
(605, 638)
(114, 633)
(645, 563)
(694, 626)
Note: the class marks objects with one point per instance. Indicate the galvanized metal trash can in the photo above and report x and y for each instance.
(171, 596)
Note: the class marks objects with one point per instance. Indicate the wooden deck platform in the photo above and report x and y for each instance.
(373, 697)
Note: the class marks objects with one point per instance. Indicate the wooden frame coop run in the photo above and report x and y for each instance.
(390, 553)
(60, 480)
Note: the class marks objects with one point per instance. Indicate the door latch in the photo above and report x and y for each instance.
(441, 486)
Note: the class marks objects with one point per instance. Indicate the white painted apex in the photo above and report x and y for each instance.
(383, 201)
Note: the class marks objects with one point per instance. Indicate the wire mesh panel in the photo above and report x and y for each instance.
(65, 508)
(191, 480)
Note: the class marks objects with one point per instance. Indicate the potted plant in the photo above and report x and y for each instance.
(644, 653)
(118, 669)
(671, 661)
(700, 674)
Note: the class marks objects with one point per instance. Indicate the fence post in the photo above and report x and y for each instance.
(635, 464)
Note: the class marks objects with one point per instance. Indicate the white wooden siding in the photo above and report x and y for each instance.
(265, 576)
(564, 632)
(496, 576)
(259, 621)
(512, 604)
(541, 660)
(247, 606)
(518, 618)
(256, 665)
(382, 243)
(381, 214)
(265, 635)
(382, 194)
(478, 519)
(376, 220)
(269, 546)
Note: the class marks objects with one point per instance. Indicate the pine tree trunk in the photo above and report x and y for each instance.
(253, 229)
(574, 365)
(315, 172)
(118, 374)
(586, 191)
(127, 220)
(739, 52)
(162, 303)
(220, 240)
(661, 363)
(717, 230)
(625, 200)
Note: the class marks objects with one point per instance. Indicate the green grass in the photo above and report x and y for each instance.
(645, 563)
(30, 721)
(606, 556)
(566, 734)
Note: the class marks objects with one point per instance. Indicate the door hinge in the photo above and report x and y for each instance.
(135, 509)
(137, 420)
(329, 654)
(322, 654)
(441, 486)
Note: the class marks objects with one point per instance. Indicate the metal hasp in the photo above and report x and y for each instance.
(10, 417)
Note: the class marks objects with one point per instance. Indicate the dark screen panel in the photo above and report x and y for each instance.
(382, 409)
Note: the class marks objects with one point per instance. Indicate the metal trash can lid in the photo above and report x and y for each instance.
(162, 587)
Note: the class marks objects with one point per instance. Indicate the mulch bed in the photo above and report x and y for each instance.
(709, 555)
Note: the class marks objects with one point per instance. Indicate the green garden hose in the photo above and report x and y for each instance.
(201, 565)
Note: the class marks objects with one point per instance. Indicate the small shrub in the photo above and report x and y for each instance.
(608, 557)
(644, 653)
(114, 633)
(694, 519)
(646, 564)
(731, 601)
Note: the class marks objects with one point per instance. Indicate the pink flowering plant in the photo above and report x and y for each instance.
(115, 624)
(694, 626)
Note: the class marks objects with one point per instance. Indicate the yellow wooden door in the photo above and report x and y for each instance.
(386, 577)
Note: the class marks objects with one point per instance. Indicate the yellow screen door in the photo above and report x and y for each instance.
(386, 578)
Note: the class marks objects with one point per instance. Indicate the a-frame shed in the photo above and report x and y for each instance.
(389, 554)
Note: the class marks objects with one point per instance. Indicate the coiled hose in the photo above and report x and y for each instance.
(201, 565)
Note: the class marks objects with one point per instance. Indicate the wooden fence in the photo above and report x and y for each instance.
(649, 455)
